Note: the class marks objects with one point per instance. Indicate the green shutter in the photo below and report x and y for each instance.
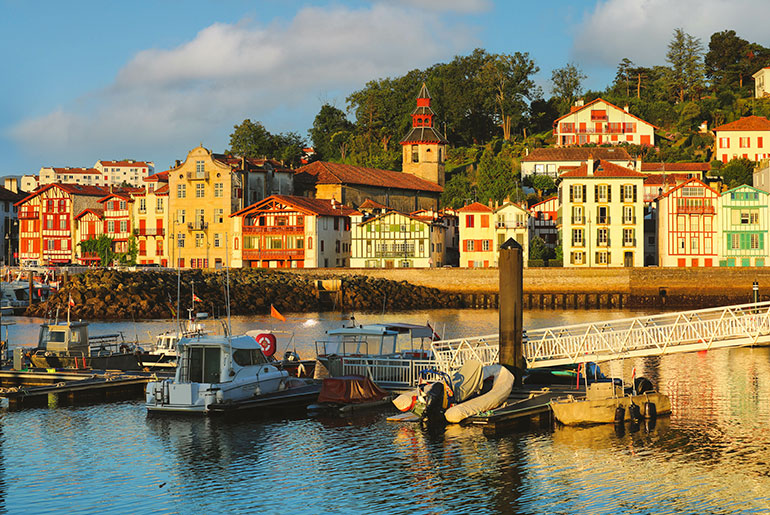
(609, 193)
(634, 193)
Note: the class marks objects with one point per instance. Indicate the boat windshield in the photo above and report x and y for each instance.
(246, 357)
(203, 364)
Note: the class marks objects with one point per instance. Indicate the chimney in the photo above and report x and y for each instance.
(625, 108)
(177, 163)
(590, 163)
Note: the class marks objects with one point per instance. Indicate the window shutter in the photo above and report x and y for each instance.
(761, 241)
(584, 193)
(609, 256)
(571, 197)
(572, 257)
(596, 193)
(634, 199)
(609, 193)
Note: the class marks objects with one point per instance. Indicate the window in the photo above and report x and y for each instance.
(180, 216)
(602, 236)
(744, 142)
(602, 193)
(199, 168)
(629, 193)
(485, 245)
(693, 244)
(124, 226)
(181, 191)
(628, 215)
(219, 215)
(756, 241)
(62, 222)
(469, 221)
(602, 215)
(577, 258)
(628, 238)
(602, 258)
(199, 240)
(577, 214)
(122, 204)
(484, 220)
(142, 204)
(111, 226)
(180, 241)
(734, 241)
(159, 205)
(219, 189)
(577, 237)
(576, 193)
(415, 153)
(200, 190)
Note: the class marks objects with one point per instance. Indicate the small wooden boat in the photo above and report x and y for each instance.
(350, 393)
(600, 405)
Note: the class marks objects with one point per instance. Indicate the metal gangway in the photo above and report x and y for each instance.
(650, 335)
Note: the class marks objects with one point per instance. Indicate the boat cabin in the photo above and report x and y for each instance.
(72, 338)
(207, 359)
(376, 339)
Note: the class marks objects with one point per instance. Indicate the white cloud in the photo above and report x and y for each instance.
(167, 101)
(642, 29)
(460, 6)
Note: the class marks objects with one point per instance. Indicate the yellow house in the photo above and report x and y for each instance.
(762, 83)
(748, 137)
(151, 220)
(477, 236)
(203, 192)
(512, 221)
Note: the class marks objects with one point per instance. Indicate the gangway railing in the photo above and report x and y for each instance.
(654, 335)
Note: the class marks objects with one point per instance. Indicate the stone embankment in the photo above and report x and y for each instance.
(113, 295)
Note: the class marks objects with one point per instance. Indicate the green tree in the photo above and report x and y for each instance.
(624, 76)
(723, 60)
(542, 183)
(457, 191)
(330, 133)
(567, 84)
(101, 246)
(495, 177)
(251, 139)
(509, 76)
(686, 65)
(737, 172)
(538, 250)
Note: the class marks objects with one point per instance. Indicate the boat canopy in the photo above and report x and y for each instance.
(236, 342)
(415, 331)
(373, 339)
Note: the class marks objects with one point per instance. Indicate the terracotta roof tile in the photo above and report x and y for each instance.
(323, 172)
(124, 163)
(747, 123)
(317, 206)
(371, 204)
(589, 104)
(603, 169)
(577, 154)
(659, 178)
(476, 207)
(676, 167)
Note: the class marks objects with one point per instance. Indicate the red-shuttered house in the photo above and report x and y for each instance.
(477, 236)
(687, 226)
(285, 231)
(542, 223)
(117, 219)
(601, 122)
(47, 217)
(89, 224)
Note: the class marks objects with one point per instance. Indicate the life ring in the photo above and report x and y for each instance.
(267, 342)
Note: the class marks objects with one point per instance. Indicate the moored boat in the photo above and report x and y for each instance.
(607, 402)
(223, 373)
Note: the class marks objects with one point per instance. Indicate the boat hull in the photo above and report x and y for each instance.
(578, 412)
(112, 362)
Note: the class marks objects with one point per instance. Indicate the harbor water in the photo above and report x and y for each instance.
(708, 457)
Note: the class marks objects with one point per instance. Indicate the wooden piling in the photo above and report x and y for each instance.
(511, 277)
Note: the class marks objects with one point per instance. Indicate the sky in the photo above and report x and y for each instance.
(149, 80)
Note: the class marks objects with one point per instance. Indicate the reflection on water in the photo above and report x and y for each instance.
(708, 457)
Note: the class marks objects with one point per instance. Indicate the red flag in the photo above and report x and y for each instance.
(196, 298)
(275, 314)
(71, 302)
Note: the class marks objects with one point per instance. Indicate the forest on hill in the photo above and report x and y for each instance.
(491, 111)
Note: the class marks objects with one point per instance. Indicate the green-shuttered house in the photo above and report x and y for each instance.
(744, 227)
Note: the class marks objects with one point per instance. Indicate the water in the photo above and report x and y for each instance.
(709, 456)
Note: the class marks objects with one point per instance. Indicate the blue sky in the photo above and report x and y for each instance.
(149, 80)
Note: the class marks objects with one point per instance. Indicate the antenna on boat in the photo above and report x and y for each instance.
(227, 295)
(178, 293)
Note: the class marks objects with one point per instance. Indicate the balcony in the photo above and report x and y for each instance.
(142, 211)
(197, 226)
(510, 225)
(578, 243)
(696, 210)
(599, 117)
(29, 214)
(603, 244)
(579, 220)
(394, 254)
(629, 243)
(629, 220)
(293, 254)
(149, 231)
(603, 220)
(274, 229)
(197, 176)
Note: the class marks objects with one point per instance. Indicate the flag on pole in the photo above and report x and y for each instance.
(275, 314)
(435, 336)
(196, 298)
(71, 302)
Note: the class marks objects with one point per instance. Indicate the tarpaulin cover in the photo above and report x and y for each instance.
(350, 390)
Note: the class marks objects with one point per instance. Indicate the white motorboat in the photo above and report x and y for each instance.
(164, 353)
(222, 373)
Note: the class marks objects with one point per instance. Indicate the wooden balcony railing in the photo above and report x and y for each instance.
(149, 231)
(273, 229)
(292, 254)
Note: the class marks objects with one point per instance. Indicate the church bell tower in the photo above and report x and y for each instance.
(424, 149)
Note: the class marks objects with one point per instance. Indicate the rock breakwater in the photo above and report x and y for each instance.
(123, 295)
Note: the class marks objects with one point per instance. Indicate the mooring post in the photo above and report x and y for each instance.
(511, 271)
(755, 291)
(29, 300)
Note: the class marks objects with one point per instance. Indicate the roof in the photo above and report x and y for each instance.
(577, 154)
(660, 179)
(161, 190)
(747, 123)
(476, 207)
(602, 169)
(695, 180)
(8, 195)
(423, 135)
(72, 189)
(316, 206)
(99, 213)
(676, 167)
(250, 163)
(126, 162)
(533, 206)
(421, 219)
(157, 177)
(77, 171)
(324, 172)
(589, 104)
(371, 204)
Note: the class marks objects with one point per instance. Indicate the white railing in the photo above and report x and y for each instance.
(391, 373)
(688, 331)
(452, 354)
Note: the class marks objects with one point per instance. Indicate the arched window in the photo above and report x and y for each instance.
(235, 243)
(310, 243)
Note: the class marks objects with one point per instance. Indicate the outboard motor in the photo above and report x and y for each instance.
(435, 403)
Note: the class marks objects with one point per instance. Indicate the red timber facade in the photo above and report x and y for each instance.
(117, 219)
(601, 122)
(284, 231)
(688, 226)
(542, 223)
(47, 219)
(90, 225)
